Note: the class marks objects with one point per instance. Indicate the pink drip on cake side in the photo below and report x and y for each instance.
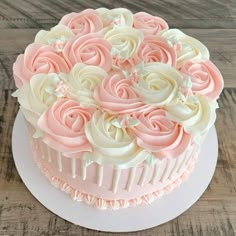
(119, 203)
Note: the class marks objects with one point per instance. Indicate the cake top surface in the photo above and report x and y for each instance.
(117, 88)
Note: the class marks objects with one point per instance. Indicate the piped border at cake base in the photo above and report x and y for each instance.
(104, 204)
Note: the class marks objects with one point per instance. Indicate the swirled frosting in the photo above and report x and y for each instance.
(117, 88)
(187, 48)
(38, 58)
(56, 37)
(125, 41)
(117, 16)
(111, 144)
(205, 78)
(157, 49)
(63, 126)
(148, 24)
(116, 95)
(158, 84)
(42, 91)
(82, 23)
(196, 114)
(156, 133)
(90, 49)
(82, 81)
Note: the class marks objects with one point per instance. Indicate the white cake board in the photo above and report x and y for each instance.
(123, 220)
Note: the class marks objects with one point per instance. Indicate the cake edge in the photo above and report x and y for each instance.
(104, 204)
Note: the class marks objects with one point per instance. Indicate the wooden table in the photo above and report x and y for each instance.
(213, 22)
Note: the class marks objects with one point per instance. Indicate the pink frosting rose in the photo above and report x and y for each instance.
(87, 21)
(63, 125)
(157, 49)
(156, 133)
(117, 96)
(37, 59)
(148, 24)
(205, 77)
(89, 49)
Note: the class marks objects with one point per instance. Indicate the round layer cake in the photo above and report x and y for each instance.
(117, 105)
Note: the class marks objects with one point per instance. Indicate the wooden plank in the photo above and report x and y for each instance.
(6, 76)
(21, 217)
(14, 41)
(180, 14)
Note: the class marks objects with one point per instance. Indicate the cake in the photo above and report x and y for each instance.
(116, 104)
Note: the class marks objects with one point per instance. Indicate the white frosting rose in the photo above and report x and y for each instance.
(82, 81)
(117, 16)
(112, 145)
(196, 114)
(56, 37)
(125, 41)
(187, 48)
(173, 35)
(158, 83)
(42, 91)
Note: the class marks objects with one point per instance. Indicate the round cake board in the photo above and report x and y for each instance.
(123, 220)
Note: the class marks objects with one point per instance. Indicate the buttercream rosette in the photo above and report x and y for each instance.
(116, 87)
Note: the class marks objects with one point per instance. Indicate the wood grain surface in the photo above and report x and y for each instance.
(213, 22)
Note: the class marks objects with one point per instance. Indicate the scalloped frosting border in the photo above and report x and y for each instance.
(104, 204)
